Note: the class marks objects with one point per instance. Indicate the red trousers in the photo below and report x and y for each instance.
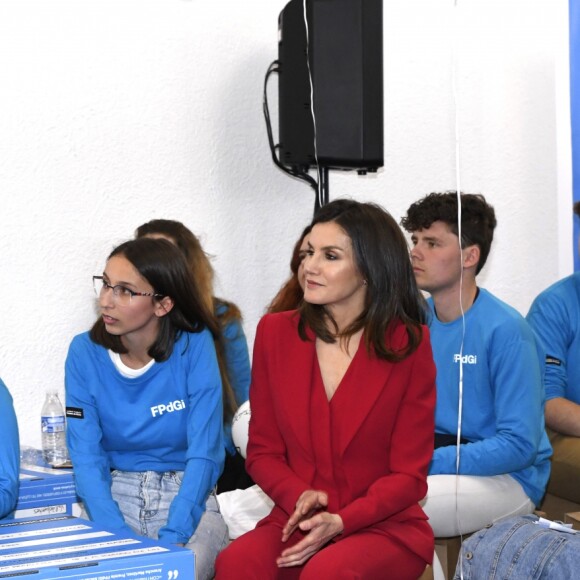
(364, 555)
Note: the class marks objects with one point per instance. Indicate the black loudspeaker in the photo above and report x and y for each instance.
(345, 52)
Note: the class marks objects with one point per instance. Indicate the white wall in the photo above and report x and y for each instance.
(113, 113)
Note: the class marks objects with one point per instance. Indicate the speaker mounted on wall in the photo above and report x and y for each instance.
(344, 48)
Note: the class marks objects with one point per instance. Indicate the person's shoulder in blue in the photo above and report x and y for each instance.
(490, 394)
(555, 318)
(235, 349)
(237, 359)
(9, 453)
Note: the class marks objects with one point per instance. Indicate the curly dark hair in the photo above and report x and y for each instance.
(477, 219)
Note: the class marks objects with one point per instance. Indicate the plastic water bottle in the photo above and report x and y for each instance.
(53, 431)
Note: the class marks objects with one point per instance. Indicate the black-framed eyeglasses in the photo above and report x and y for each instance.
(121, 294)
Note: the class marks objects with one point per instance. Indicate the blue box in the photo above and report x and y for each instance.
(59, 547)
(46, 491)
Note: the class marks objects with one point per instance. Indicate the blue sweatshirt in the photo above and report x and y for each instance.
(503, 396)
(9, 453)
(238, 368)
(169, 418)
(555, 318)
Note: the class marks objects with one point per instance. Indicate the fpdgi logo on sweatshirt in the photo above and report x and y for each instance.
(158, 410)
(466, 359)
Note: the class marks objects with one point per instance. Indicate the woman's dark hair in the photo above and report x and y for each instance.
(291, 294)
(164, 267)
(382, 258)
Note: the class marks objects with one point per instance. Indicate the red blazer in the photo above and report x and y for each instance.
(385, 433)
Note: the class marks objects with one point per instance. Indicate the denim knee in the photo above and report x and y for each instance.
(519, 548)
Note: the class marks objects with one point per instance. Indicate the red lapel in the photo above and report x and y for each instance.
(367, 378)
(293, 366)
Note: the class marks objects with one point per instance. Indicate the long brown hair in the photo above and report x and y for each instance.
(203, 274)
(382, 257)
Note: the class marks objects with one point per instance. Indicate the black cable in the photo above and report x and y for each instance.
(293, 172)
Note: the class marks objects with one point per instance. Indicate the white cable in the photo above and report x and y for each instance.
(319, 184)
(459, 235)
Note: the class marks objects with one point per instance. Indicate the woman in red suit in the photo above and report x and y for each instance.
(342, 398)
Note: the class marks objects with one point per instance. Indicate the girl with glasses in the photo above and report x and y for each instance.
(144, 403)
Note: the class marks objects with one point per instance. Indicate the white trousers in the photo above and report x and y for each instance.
(462, 504)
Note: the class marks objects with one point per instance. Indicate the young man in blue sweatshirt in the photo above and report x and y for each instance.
(555, 317)
(491, 457)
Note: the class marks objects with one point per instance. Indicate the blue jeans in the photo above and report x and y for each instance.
(517, 548)
(144, 499)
